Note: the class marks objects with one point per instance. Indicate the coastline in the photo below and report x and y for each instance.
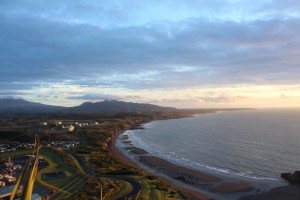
(192, 195)
(195, 184)
(191, 182)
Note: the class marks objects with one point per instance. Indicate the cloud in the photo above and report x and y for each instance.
(57, 51)
(95, 97)
(101, 97)
(123, 45)
(12, 93)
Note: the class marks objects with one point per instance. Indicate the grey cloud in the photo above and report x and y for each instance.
(101, 97)
(12, 93)
(12, 84)
(40, 49)
(95, 97)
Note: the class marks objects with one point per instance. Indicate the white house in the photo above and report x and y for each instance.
(69, 128)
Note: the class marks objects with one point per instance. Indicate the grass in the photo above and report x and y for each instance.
(146, 189)
(73, 160)
(155, 194)
(21, 152)
(124, 189)
(154, 189)
(67, 186)
(70, 185)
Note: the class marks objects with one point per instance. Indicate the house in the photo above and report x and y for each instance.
(12, 149)
(9, 178)
(43, 123)
(17, 167)
(94, 123)
(84, 124)
(9, 163)
(68, 128)
(2, 148)
(68, 145)
(57, 123)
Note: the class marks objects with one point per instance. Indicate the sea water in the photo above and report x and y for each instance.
(255, 144)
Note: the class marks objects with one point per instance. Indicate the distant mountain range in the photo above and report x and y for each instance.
(20, 105)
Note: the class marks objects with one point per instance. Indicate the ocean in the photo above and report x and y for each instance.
(252, 144)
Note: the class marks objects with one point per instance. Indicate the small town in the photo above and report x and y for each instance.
(11, 168)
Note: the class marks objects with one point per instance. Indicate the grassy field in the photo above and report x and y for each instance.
(123, 188)
(16, 153)
(67, 186)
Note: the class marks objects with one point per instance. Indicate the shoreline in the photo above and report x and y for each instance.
(182, 178)
(188, 180)
(192, 195)
(193, 183)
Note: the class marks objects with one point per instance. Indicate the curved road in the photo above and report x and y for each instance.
(136, 186)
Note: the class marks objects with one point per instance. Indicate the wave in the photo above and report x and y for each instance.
(196, 165)
(176, 159)
(138, 142)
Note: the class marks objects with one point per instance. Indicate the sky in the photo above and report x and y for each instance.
(184, 54)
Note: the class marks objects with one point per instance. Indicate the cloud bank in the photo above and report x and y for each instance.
(121, 48)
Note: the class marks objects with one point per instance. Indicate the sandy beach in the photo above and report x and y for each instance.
(180, 177)
(192, 195)
(196, 178)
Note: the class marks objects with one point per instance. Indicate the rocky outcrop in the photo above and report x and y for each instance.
(292, 178)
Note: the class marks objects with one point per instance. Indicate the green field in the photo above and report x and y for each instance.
(67, 186)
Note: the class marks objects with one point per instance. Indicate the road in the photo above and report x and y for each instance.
(136, 185)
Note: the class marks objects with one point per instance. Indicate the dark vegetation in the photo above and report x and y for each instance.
(11, 136)
(94, 149)
(21, 126)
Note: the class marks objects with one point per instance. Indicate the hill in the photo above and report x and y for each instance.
(117, 106)
(22, 106)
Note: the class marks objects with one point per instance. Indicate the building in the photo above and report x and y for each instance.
(7, 191)
(94, 123)
(58, 123)
(68, 128)
(43, 123)
(17, 167)
(68, 144)
(9, 179)
(9, 163)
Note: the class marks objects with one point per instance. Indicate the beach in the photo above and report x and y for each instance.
(200, 185)
(193, 183)
(191, 194)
